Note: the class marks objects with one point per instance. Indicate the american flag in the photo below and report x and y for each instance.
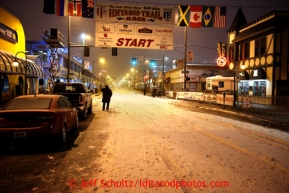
(220, 17)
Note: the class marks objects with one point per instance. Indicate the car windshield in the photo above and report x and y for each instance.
(61, 88)
(29, 103)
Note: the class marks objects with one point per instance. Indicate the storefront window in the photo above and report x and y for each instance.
(243, 87)
(259, 88)
(5, 83)
(263, 88)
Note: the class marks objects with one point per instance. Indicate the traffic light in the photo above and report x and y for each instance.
(133, 61)
(114, 52)
(86, 51)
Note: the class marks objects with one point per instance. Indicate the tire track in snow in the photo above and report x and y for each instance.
(164, 143)
(198, 118)
(268, 140)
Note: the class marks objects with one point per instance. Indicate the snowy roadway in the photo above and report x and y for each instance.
(145, 145)
(154, 146)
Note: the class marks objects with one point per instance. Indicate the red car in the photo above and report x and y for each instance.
(46, 116)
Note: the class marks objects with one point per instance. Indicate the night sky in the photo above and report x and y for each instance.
(203, 41)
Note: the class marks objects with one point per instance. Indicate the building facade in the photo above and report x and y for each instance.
(54, 63)
(18, 74)
(258, 52)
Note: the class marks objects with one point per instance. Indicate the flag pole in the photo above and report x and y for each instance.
(68, 51)
(185, 62)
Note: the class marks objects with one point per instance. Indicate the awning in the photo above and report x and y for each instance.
(244, 75)
(258, 73)
(28, 67)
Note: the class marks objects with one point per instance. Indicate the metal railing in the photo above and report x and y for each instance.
(275, 106)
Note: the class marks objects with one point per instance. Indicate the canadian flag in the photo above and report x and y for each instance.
(196, 16)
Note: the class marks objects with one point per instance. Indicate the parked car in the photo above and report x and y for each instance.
(78, 95)
(34, 116)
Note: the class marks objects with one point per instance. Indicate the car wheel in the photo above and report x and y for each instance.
(90, 108)
(84, 114)
(76, 124)
(63, 135)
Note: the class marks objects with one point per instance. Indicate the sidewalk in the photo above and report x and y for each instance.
(279, 122)
(255, 117)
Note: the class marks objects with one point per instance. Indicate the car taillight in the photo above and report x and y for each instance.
(80, 100)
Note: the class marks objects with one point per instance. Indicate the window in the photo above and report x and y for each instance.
(260, 46)
(5, 83)
(65, 63)
(67, 102)
(29, 103)
(231, 54)
(221, 84)
(245, 50)
(61, 103)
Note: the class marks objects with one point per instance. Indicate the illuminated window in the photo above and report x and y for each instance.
(260, 46)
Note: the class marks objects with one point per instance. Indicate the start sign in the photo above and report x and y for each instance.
(222, 61)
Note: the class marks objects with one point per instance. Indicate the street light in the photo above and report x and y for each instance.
(15, 63)
(84, 36)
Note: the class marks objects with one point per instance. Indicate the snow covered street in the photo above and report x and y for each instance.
(154, 146)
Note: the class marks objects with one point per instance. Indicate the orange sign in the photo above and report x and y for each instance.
(222, 61)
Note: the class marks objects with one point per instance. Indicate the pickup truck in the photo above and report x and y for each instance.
(78, 95)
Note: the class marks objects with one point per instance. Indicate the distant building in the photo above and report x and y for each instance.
(196, 77)
(58, 72)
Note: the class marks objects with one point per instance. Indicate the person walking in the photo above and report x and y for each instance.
(106, 95)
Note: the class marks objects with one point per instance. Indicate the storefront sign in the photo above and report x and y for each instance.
(8, 33)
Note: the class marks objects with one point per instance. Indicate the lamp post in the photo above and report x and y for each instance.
(101, 71)
(84, 36)
(15, 63)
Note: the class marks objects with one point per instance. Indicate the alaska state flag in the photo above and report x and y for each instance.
(196, 16)
(208, 13)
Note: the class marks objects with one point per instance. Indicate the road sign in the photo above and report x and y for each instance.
(222, 61)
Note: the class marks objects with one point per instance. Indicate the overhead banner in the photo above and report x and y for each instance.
(122, 13)
(142, 36)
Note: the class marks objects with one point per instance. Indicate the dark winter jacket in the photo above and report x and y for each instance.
(106, 94)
